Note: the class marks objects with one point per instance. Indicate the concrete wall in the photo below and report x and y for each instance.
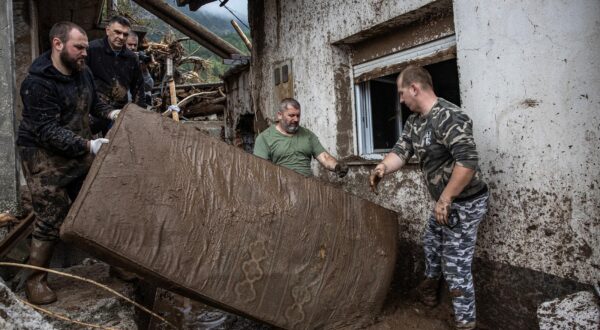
(237, 85)
(529, 80)
(22, 16)
(8, 172)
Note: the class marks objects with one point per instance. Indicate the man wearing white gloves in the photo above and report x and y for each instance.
(55, 142)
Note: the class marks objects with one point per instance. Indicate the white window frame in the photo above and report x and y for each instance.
(362, 91)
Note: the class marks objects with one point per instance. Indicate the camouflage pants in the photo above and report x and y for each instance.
(449, 251)
(54, 182)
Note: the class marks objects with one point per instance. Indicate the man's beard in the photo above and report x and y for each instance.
(291, 128)
(71, 63)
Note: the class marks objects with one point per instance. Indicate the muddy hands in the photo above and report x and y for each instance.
(376, 176)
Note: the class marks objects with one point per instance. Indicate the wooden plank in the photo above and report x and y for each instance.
(20, 232)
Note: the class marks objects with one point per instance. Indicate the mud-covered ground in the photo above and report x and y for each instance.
(87, 303)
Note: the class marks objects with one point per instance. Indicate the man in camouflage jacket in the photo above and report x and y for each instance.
(440, 135)
(55, 142)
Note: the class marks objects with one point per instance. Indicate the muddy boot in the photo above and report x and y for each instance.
(428, 291)
(36, 286)
(466, 326)
(121, 274)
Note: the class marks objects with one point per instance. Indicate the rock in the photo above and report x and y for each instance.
(16, 315)
(88, 303)
(576, 311)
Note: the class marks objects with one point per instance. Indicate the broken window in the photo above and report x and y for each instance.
(380, 116)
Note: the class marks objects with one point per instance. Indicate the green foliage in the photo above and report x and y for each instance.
(219, 25)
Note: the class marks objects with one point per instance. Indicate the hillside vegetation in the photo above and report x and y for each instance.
(219, 25)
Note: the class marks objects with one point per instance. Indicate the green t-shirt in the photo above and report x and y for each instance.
(293, 152)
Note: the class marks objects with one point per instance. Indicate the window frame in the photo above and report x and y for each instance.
(362, 106)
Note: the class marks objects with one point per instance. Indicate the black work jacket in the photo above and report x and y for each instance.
(116, 74)
(57, 107)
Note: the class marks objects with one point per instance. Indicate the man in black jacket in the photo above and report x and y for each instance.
(116, 69)
(54, 141)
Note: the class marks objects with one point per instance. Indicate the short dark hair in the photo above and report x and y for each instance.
(61, 31)
(285, 103)
(416, 74)
(119, 19)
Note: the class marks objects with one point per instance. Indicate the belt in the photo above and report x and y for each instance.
(480, 193)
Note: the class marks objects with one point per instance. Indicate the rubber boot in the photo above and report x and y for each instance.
(428, 291)
(36, 287)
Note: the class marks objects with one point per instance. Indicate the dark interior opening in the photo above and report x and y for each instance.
(388, 116)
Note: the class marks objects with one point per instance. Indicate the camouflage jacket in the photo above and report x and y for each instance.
(56, 108)
(439, 140)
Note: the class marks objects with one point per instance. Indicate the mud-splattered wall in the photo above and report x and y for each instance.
(529, 81)
(25, 43)
(8, 172)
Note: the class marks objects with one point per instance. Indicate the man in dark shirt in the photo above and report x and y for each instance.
(132, 44)
(440, 135)
(116, 70)
(54, 141)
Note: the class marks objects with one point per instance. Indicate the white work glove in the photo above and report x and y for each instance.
(174, 108)
(96, 144)
(114, 114)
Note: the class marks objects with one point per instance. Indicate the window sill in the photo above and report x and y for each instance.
(372, 159)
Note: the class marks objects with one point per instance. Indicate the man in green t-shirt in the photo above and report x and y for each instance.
(289, 145)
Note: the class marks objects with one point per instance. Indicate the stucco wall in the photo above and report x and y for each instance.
(23, 40)
(529, 80)
(8, 164)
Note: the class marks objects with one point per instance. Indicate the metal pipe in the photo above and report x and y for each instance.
(189, 27)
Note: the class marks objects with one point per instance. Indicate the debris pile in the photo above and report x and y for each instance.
(77, 301)
(199, 100)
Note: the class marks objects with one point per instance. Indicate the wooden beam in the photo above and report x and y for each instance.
(189, 27)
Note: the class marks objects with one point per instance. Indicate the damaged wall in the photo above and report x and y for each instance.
(528, 79)
(24, 13)
(8, 164)
(237, 85)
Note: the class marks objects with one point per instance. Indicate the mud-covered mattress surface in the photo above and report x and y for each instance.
(214, 223)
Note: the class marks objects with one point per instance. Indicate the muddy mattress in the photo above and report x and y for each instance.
(211, 222)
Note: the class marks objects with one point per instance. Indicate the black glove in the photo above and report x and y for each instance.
(341, 169)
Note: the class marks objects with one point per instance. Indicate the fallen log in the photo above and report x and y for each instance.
(232, 230)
